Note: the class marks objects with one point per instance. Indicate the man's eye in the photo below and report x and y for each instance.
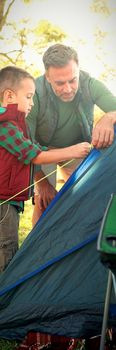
(73, 80)
(60, 83)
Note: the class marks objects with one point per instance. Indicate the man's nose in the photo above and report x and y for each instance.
(67, 87)
(31, 102)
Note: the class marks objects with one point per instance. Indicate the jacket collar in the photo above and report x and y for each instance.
(11, 113)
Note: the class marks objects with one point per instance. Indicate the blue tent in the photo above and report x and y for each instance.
(56, 283)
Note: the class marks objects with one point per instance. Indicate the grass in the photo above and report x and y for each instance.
(25, 221)
(8, 345)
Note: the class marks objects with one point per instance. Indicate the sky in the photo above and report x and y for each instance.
(76, 19)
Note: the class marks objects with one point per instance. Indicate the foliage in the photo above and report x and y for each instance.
(46, 33)
(104, 8)
(5, 8)
(101, 7)
(27, 41)
(8, 345)
(4, 13)
(25, 221)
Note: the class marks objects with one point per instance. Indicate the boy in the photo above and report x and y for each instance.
(17, 152)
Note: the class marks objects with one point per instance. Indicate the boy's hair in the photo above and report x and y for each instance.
(59, 55)
(10, 77)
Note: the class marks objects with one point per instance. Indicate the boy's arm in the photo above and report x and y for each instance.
(60, 154)
(26, 151)
(13, 140)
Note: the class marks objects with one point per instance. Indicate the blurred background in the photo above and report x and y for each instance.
(28, 27)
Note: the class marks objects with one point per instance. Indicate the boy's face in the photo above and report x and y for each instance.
(24, 95)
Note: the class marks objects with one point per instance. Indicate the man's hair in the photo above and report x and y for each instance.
(59, 55)
(10, 78)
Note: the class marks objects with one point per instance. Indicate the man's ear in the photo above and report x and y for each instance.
(47, 77)
(9, 96)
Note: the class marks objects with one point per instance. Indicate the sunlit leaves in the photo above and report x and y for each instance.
(101, 6)
(99, 36)
(46, 33)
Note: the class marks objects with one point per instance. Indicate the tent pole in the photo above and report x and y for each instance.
(106, 310)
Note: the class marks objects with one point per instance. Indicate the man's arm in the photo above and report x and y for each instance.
(103, 132)
(44, 191)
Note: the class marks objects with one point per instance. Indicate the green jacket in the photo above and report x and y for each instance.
(44, 115)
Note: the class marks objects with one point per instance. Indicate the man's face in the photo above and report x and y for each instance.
(64, 80)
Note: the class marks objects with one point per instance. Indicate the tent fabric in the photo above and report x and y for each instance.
(56, 283)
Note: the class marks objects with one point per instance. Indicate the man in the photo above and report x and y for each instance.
(63, 113)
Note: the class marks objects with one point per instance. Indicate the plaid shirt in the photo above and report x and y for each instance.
(13, 140)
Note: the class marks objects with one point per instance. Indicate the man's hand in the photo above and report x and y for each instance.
(46, 192)
(103, 132)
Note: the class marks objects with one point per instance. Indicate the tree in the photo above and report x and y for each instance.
(5, 9)
(106, 9)
(46, 33)
(101, 7)
(26, 42)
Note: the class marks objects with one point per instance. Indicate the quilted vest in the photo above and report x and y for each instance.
(14, 174)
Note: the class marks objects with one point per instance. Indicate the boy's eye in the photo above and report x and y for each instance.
(29, 97)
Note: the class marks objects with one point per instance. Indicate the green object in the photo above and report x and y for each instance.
(44, 148)
(19, 205)
(2, 110)
(107, 248)
(107, 237)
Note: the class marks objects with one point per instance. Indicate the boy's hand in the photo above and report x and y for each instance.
(81, 150)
